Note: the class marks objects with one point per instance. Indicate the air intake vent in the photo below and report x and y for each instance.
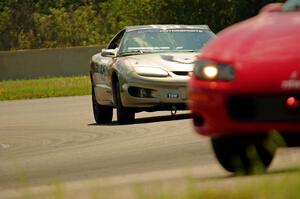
(181, 73)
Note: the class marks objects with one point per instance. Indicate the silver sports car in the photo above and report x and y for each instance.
(145, 68)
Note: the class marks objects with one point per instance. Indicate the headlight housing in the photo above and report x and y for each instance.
(151, 71)
(213, 71)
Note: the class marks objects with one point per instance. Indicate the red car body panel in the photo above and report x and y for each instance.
(265, 52)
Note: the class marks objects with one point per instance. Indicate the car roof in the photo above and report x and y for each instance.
(168, 26)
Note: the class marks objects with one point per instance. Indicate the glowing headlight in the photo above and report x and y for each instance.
(151, 71)
(213, 71)
(210, 72)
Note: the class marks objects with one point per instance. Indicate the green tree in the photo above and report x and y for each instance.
(68, 28)
(60, 23)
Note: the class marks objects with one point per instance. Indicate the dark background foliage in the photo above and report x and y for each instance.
(30, 24)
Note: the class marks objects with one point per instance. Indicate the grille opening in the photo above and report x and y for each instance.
(181, 73)
(198, 120)
(262, 108)
(140, 92)
(241, 107)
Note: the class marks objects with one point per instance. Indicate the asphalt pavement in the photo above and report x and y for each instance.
(45, 141)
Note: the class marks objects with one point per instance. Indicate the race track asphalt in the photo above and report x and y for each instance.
(56, 140)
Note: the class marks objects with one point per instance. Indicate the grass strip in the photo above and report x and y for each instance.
(44, 87)
(274, 186)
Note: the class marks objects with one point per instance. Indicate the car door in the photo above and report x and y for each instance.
(103, 70)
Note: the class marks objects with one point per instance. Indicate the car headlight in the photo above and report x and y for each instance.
(151, 71)
(213, 71)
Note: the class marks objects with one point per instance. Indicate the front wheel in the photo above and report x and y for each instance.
(102, 114)
(124, 115)
(243, 154)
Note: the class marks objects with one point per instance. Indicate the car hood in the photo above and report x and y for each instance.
(175, 61)
(263, 50)
(266, 37)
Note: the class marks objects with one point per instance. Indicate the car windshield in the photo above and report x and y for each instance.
(292, 5)
(162, 40)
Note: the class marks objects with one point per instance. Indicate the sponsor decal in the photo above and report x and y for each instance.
(292, 83)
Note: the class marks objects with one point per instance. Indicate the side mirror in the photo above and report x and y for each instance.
(108, 52)
(272, 7)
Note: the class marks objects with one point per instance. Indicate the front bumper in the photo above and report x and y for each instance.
(158, 92)
(215, 113)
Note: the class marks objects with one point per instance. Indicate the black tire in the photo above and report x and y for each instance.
(102, 114)
(124, 115)
(243, 155)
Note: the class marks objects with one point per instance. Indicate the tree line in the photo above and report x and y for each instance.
(29, 24)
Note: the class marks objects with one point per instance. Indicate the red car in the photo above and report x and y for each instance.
(245, 91)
